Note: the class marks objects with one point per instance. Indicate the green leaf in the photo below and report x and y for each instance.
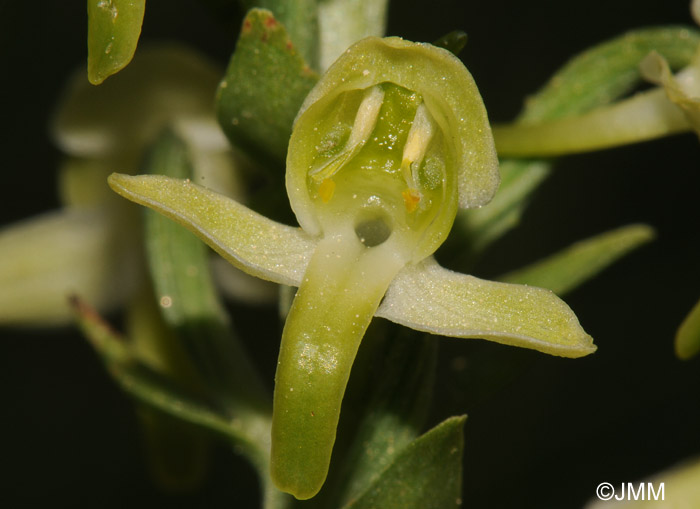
(688, 335)
(607, 71)
(344, 22)
(564, 271)
(519, 179)
(432, 299)
(300, 19)
(592, 79)
(426, 474)
(264, 87)
(179, 268)
(384, 409)
(144, 383)
(257, 245)
(114, 27)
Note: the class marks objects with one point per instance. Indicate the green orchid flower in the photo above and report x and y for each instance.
(93, 239)
(672, 107)
(386, 147)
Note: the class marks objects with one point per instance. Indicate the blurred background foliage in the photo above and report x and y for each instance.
(542, 431)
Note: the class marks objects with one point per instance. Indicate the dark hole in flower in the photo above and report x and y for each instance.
(372, 232)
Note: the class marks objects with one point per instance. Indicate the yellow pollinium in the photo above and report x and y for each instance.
(326, 190)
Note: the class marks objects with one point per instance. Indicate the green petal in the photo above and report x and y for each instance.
(164, 85)
(645, 116)
(449, 92)
(47, 258)
(642, 117)
(688, 335)
(265, 84)
(257, 245)
(430, 298)
(426, 474)
(114, 27)
(569, 268)
(682, 90)
(342, 288)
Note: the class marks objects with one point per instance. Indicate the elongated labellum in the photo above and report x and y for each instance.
(392, 139)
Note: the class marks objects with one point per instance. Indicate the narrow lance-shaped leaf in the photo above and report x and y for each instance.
(567, 269)
(143, 383)
(179, 267)
(177, 451)
(429, 298)
(426, 474)
(594, 78)
(114, 27)
(264, 86)
(642, 117)
(385, 407)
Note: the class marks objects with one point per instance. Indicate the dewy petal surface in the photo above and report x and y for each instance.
(253, 243)
(430, 298)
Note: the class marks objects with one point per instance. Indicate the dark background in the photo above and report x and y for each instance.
(549, 434)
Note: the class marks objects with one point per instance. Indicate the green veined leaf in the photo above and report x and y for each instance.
(189, 304)
(114, 27)
(607, 71)
(426, 474)
(564, 271)
(430, 298)
(592, 79)
(264, 86)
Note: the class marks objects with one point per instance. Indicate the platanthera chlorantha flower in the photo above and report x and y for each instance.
(393, 138)
(93, 240)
